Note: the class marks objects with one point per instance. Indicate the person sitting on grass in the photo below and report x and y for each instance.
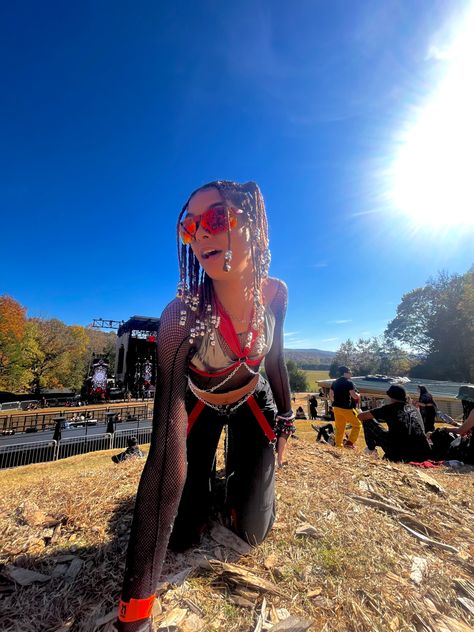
(133, 451)
(325, 433)
(448, 446)
(405, 439)
(466, 430)
(300, 414)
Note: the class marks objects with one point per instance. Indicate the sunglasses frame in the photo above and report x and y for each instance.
(230, 222)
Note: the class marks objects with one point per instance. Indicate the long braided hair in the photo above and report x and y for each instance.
(195, 286)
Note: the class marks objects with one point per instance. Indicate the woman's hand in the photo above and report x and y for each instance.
(281, 445)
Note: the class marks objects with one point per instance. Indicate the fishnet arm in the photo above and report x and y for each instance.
(275, 366)
(164, 474)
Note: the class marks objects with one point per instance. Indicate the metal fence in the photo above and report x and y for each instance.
(39, 422)
(43, 451)
(26, 453)
(81, 445)
(142, 435)
(10, 406)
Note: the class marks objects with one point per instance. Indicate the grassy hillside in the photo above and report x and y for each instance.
(314, 376)
(310, 356)
(356, 569)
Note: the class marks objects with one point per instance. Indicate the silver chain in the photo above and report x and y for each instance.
(226, 379)
(221, 409)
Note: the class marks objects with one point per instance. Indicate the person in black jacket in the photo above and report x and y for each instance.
(313, 407)
(405, 439)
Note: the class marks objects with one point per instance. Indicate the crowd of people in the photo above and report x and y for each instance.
(409, 435)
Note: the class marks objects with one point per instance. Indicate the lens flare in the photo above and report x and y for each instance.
(432, 177)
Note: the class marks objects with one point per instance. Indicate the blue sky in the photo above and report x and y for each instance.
(112, 112)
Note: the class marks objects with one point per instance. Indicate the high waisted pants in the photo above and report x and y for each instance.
(343, 416)
(249, 470)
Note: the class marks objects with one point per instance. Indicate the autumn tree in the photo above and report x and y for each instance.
(12, 331)
(59, 355)
(59, 358)
(40, 353)
(102, 343)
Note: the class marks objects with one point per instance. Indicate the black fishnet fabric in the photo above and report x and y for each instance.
(275, 366)
(164, 474)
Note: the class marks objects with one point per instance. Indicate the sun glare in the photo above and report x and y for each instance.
(433, 172)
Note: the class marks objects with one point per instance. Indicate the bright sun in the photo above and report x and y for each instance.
(432, 178)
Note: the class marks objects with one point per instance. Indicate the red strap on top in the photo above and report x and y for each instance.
(227, 329)
(196, 411)
(135, 609)
(254, 407)
(262, 420)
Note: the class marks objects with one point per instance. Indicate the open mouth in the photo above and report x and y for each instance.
(209, 254)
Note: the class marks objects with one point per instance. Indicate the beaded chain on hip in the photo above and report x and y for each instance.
(223, 409)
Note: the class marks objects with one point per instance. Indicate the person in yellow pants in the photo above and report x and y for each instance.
(342, 417)
(343, 395)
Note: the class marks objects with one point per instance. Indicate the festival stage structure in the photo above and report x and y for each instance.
(135, 364)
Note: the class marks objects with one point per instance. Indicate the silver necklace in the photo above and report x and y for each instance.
(242, 321)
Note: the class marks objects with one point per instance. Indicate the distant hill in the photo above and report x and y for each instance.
(310, 357)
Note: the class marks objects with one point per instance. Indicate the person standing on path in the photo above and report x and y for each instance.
(343, 393)
(313, 407)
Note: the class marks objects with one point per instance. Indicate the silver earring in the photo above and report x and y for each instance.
(227, 260)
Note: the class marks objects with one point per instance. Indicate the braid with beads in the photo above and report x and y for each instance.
(195, 286)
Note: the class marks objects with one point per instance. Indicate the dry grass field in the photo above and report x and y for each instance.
(359, 545)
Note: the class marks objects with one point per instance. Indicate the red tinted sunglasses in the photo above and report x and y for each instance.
(215, 220)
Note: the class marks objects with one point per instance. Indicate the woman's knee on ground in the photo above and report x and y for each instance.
(253, 527)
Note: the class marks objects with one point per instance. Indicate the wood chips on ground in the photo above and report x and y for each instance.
(358, 545)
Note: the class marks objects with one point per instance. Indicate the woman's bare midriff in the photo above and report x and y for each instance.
(224, 399)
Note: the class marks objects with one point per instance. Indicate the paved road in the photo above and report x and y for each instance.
(72, 432)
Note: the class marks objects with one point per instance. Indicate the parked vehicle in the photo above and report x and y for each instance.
(81, 423)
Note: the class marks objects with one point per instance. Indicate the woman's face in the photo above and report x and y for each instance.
(209, 249)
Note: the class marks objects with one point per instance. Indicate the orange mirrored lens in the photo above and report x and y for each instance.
(187, 229)
(214, 221)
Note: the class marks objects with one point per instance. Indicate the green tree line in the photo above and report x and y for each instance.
(45, 353)
(431, 336)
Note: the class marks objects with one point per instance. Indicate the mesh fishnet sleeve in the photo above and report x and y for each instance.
(164, 474)
(275, 366)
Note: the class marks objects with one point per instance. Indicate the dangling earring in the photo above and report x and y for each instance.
(228, 253)
(227, 259)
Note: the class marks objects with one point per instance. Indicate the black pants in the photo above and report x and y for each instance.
(249, 495)
(375, 435)
(324, 432)
(429, 415)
